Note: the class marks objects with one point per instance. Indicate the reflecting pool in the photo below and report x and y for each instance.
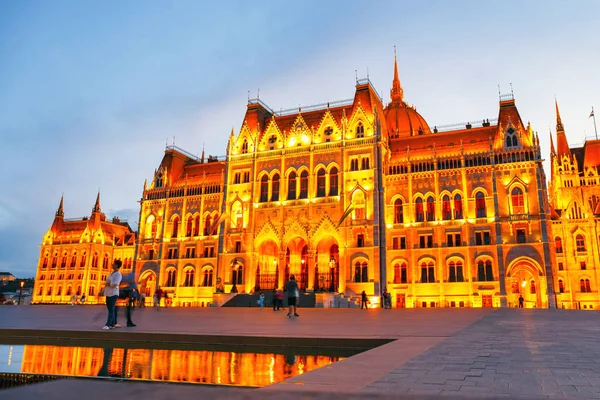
(202, 366)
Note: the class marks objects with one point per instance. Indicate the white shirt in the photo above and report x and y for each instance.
(112, 284)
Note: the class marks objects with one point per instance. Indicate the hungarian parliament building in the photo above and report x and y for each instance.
(352, 196)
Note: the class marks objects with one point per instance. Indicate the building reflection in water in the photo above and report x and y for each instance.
(202, 366)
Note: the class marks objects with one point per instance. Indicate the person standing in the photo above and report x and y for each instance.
(111, 291)
(279, 299)
(159, 295)
(521, 300)
(275, 300)
(363, 302)
(261, 301)
(128, 293)
(291, 288)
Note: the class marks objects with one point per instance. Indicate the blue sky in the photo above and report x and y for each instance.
(90, 92)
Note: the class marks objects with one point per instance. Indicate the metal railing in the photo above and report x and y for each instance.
(313, 107)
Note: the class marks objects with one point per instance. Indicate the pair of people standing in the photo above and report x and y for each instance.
(111, 291)
(277, 299)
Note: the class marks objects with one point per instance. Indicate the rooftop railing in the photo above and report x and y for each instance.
(195, 156)
(314, 107)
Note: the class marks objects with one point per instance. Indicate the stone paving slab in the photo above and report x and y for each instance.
(528, 353)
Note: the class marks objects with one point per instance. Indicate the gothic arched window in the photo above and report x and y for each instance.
(446, 208)
(304, 185)
(398, 212)
(321, 183)
(264, 189)
(360, 130)
(275, 188)
(292, 186)
(333, 182)
(419, 215)
(517, 200)
(430, 208)
(207, 280)
(175, 226)
(458, 209)
(480, 210)
(171, 278)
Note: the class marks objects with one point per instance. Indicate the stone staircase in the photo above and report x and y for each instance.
(307, 300)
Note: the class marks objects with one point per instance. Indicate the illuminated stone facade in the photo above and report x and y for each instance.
(76, 256)
(575, 200)
(360, 195)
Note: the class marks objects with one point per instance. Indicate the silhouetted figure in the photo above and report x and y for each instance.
(521, 300)
(364, 300)
(291, 287)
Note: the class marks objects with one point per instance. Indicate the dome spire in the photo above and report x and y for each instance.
(559, 125)
(97, 205)
(60, 212)
(562, 146)
(396, 94)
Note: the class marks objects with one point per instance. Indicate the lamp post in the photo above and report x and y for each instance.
(332, 272)
(235, 276)
(302, 278)
(20, 292)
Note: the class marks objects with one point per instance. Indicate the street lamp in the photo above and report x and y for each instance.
(235, 276)
(332, 271)
(20, 292)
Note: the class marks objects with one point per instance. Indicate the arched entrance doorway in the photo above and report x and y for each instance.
(296, 262)
(147, 283)
(267, 267)
(327, 266)
(524, 279)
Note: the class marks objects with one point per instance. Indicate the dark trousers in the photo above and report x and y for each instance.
(128, 310)
(363, 303)
(276, 304)
(111, 302)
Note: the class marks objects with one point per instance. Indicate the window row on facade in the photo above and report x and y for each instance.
(452, 207)
(188, 277)
(71, 261)
(297, 185)
(454, 272)
(580, 244)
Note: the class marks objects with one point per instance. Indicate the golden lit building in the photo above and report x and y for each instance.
(178, 240)
(358, 195)
(575, 202)
(76, 256)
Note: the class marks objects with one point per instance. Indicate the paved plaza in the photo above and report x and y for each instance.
(461, 353)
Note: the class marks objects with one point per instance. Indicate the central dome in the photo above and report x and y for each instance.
(401, 119)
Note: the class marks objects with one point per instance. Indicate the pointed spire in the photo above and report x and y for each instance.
(559, 125)
(202, 160)
(60, 212)
(396, 94)
(562, 146)
(552, 150)
(97, 205)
